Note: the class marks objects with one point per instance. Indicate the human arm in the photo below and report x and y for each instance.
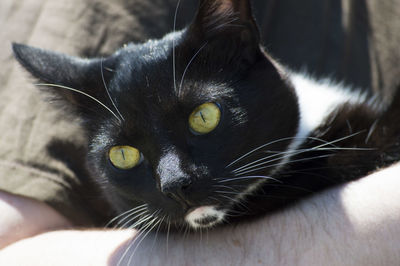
(23, 217)
(355, 224)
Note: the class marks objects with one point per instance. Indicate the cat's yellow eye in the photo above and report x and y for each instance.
(205, 118)
(124, 157)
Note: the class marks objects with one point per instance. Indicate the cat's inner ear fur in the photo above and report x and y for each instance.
(229, 25)
(219, 16)
(60, 71)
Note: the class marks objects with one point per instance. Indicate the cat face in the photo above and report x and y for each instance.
(171, 122)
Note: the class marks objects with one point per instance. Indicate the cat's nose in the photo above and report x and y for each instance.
(177, 190)
(173, 179)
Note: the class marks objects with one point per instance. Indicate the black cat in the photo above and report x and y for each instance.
(203, 126)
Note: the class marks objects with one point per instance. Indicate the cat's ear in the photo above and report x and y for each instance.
(214, 12)
(67, 77)
(225, 15)
(226, 20)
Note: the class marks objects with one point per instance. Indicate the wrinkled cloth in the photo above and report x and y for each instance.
(42, 149)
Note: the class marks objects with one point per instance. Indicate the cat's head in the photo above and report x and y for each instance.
(178, 127)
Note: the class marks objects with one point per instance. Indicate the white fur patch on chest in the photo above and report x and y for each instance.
(318, 98)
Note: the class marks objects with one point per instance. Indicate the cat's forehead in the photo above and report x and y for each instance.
(158, 71)
(151, 51)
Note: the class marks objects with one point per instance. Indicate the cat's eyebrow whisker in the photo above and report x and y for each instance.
(80, 92)
(188, 65)
(108, 92)
(173, 48)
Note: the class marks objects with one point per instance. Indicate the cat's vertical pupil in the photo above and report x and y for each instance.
(124, 157)
(202, 117)
(205, 118)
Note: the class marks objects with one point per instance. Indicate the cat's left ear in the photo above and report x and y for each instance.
(230, 21)
(59, 72)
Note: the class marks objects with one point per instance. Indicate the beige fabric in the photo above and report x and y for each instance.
(29, 123)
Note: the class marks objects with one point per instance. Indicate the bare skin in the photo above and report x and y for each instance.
(23, 217)
(354, 224)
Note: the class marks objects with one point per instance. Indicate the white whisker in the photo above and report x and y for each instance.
(141, 221)
(157, 231)
(227, 23)
(173, 48)
(250, 177)
(152, 224)
(138, 213)
(226, 192)
(325, 143)
(80, 92)
(292, 153)
(222, 186)
(141, 231)
(126, 212)
(188, 65)
(168, 229)
(128, 248)
(247, 171)
(108, 92)
(257, 149)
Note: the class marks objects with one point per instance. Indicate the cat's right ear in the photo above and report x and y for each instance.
(67, 77)
(230, 22)
(219, 16)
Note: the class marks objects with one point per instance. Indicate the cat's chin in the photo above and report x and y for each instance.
(205, 217)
